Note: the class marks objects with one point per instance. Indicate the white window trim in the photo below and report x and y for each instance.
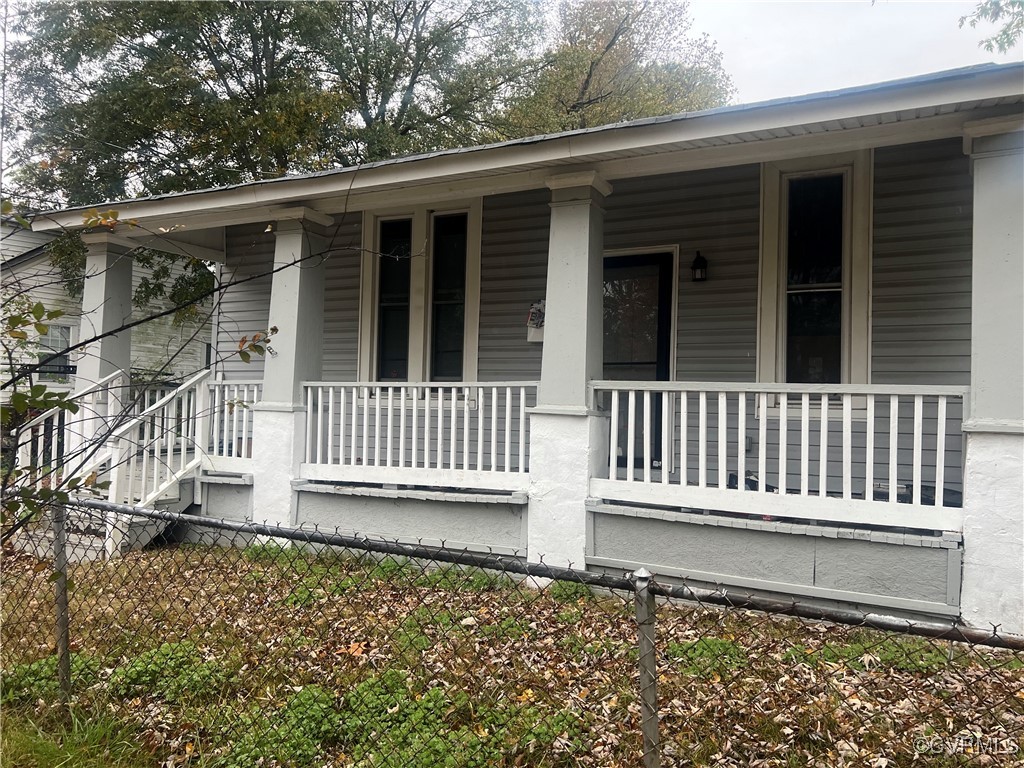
(420, 273)
(856, 312)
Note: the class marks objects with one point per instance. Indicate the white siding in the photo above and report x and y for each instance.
(921, 271)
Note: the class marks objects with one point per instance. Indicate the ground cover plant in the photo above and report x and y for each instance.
(279, 655)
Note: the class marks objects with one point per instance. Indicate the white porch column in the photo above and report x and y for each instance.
(296, 309)
(993, 581)
(568, 440)
(106, 306)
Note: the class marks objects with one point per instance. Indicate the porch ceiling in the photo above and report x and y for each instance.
(908, 110)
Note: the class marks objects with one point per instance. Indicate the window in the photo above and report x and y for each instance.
(56, 339)
(815, 270)
(420, 290)
(448, 298)
(393, 300)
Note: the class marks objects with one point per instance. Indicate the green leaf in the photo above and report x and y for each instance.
(38, 311)
(18, 335)
(41, 329)
(246, 357)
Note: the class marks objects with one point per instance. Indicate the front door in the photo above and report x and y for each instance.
(638, 336)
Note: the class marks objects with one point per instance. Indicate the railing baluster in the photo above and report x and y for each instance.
(522, 467)
(645, 437)
(741, 442)
(684, 439)
(342, 419)
(391, 419)
(319, 425)
(401, 427)
(217, 400)
(453, 448)
(805, 443)
(666, 435)
(631, 437)
(702, 441)
(723, 439)
(494, 429)
(376, 426)
(869, 450)
(613, 438)
(823, 448)
(762, 441)
(413, 454)
(918, 430)
(366, 427)
(508, 429)
(427, 432)
(894, 416)
(481, 414)
(330, 425)
(466, 431)
(783, 439)
(847, 446)
(234, 422)
(940, 452)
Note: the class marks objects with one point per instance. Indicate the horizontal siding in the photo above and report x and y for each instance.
(717, 213)
(341, 301)
(921, 269)
(244, 308)
(513, 275)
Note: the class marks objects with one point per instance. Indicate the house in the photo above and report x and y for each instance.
(780, 347)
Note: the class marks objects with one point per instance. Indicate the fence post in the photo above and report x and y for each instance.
(648, 662)
(60, 567)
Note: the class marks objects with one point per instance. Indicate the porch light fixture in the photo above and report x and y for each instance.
(699, 268)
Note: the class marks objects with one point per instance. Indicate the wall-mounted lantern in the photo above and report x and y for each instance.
(699, 268)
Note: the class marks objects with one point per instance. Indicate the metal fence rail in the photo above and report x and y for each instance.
(240, 644)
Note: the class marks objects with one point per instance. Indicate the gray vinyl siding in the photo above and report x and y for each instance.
(244, 308)
(716, 212)
(341, 301)
(921, 270)
(513, 275)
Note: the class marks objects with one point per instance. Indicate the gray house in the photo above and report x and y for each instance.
(777, 346)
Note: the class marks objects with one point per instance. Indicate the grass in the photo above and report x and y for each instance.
(226, 658)
(85, 739)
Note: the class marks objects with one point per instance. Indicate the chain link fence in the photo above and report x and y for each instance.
(226, 645)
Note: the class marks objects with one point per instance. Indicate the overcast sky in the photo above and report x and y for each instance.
(778, 48)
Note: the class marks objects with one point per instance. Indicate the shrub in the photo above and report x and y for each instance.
(173, 672)
(38, 680)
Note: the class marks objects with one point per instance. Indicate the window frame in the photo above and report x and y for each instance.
(856, 169)
(44, 351)
(420, 288)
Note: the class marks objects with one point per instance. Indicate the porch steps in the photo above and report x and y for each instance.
(472, 497)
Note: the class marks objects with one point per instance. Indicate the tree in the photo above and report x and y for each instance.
(1008, 13)
(621, 60)
(116, 99)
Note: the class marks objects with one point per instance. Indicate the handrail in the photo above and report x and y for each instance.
(77, 395)
(779, 388)
(119, 432)
(414, 384)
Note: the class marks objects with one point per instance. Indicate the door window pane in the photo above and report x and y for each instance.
(631, 315)
(393, 300)
(448, 300)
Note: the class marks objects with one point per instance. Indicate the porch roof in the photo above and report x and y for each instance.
(615, 147)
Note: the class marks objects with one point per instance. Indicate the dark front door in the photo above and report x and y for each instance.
(637, 337)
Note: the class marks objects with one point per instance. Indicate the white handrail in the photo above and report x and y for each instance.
(76, 396)
(773, 388)
(159, 404)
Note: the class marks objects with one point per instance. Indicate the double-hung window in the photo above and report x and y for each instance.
(420, 294)
(815, 270)
(56, 339)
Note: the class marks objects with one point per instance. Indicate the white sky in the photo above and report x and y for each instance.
(778, 48)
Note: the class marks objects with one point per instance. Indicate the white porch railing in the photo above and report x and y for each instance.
(230, 422)
(457, 434)
(56, 443)
(882, 455)
(159, 446)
